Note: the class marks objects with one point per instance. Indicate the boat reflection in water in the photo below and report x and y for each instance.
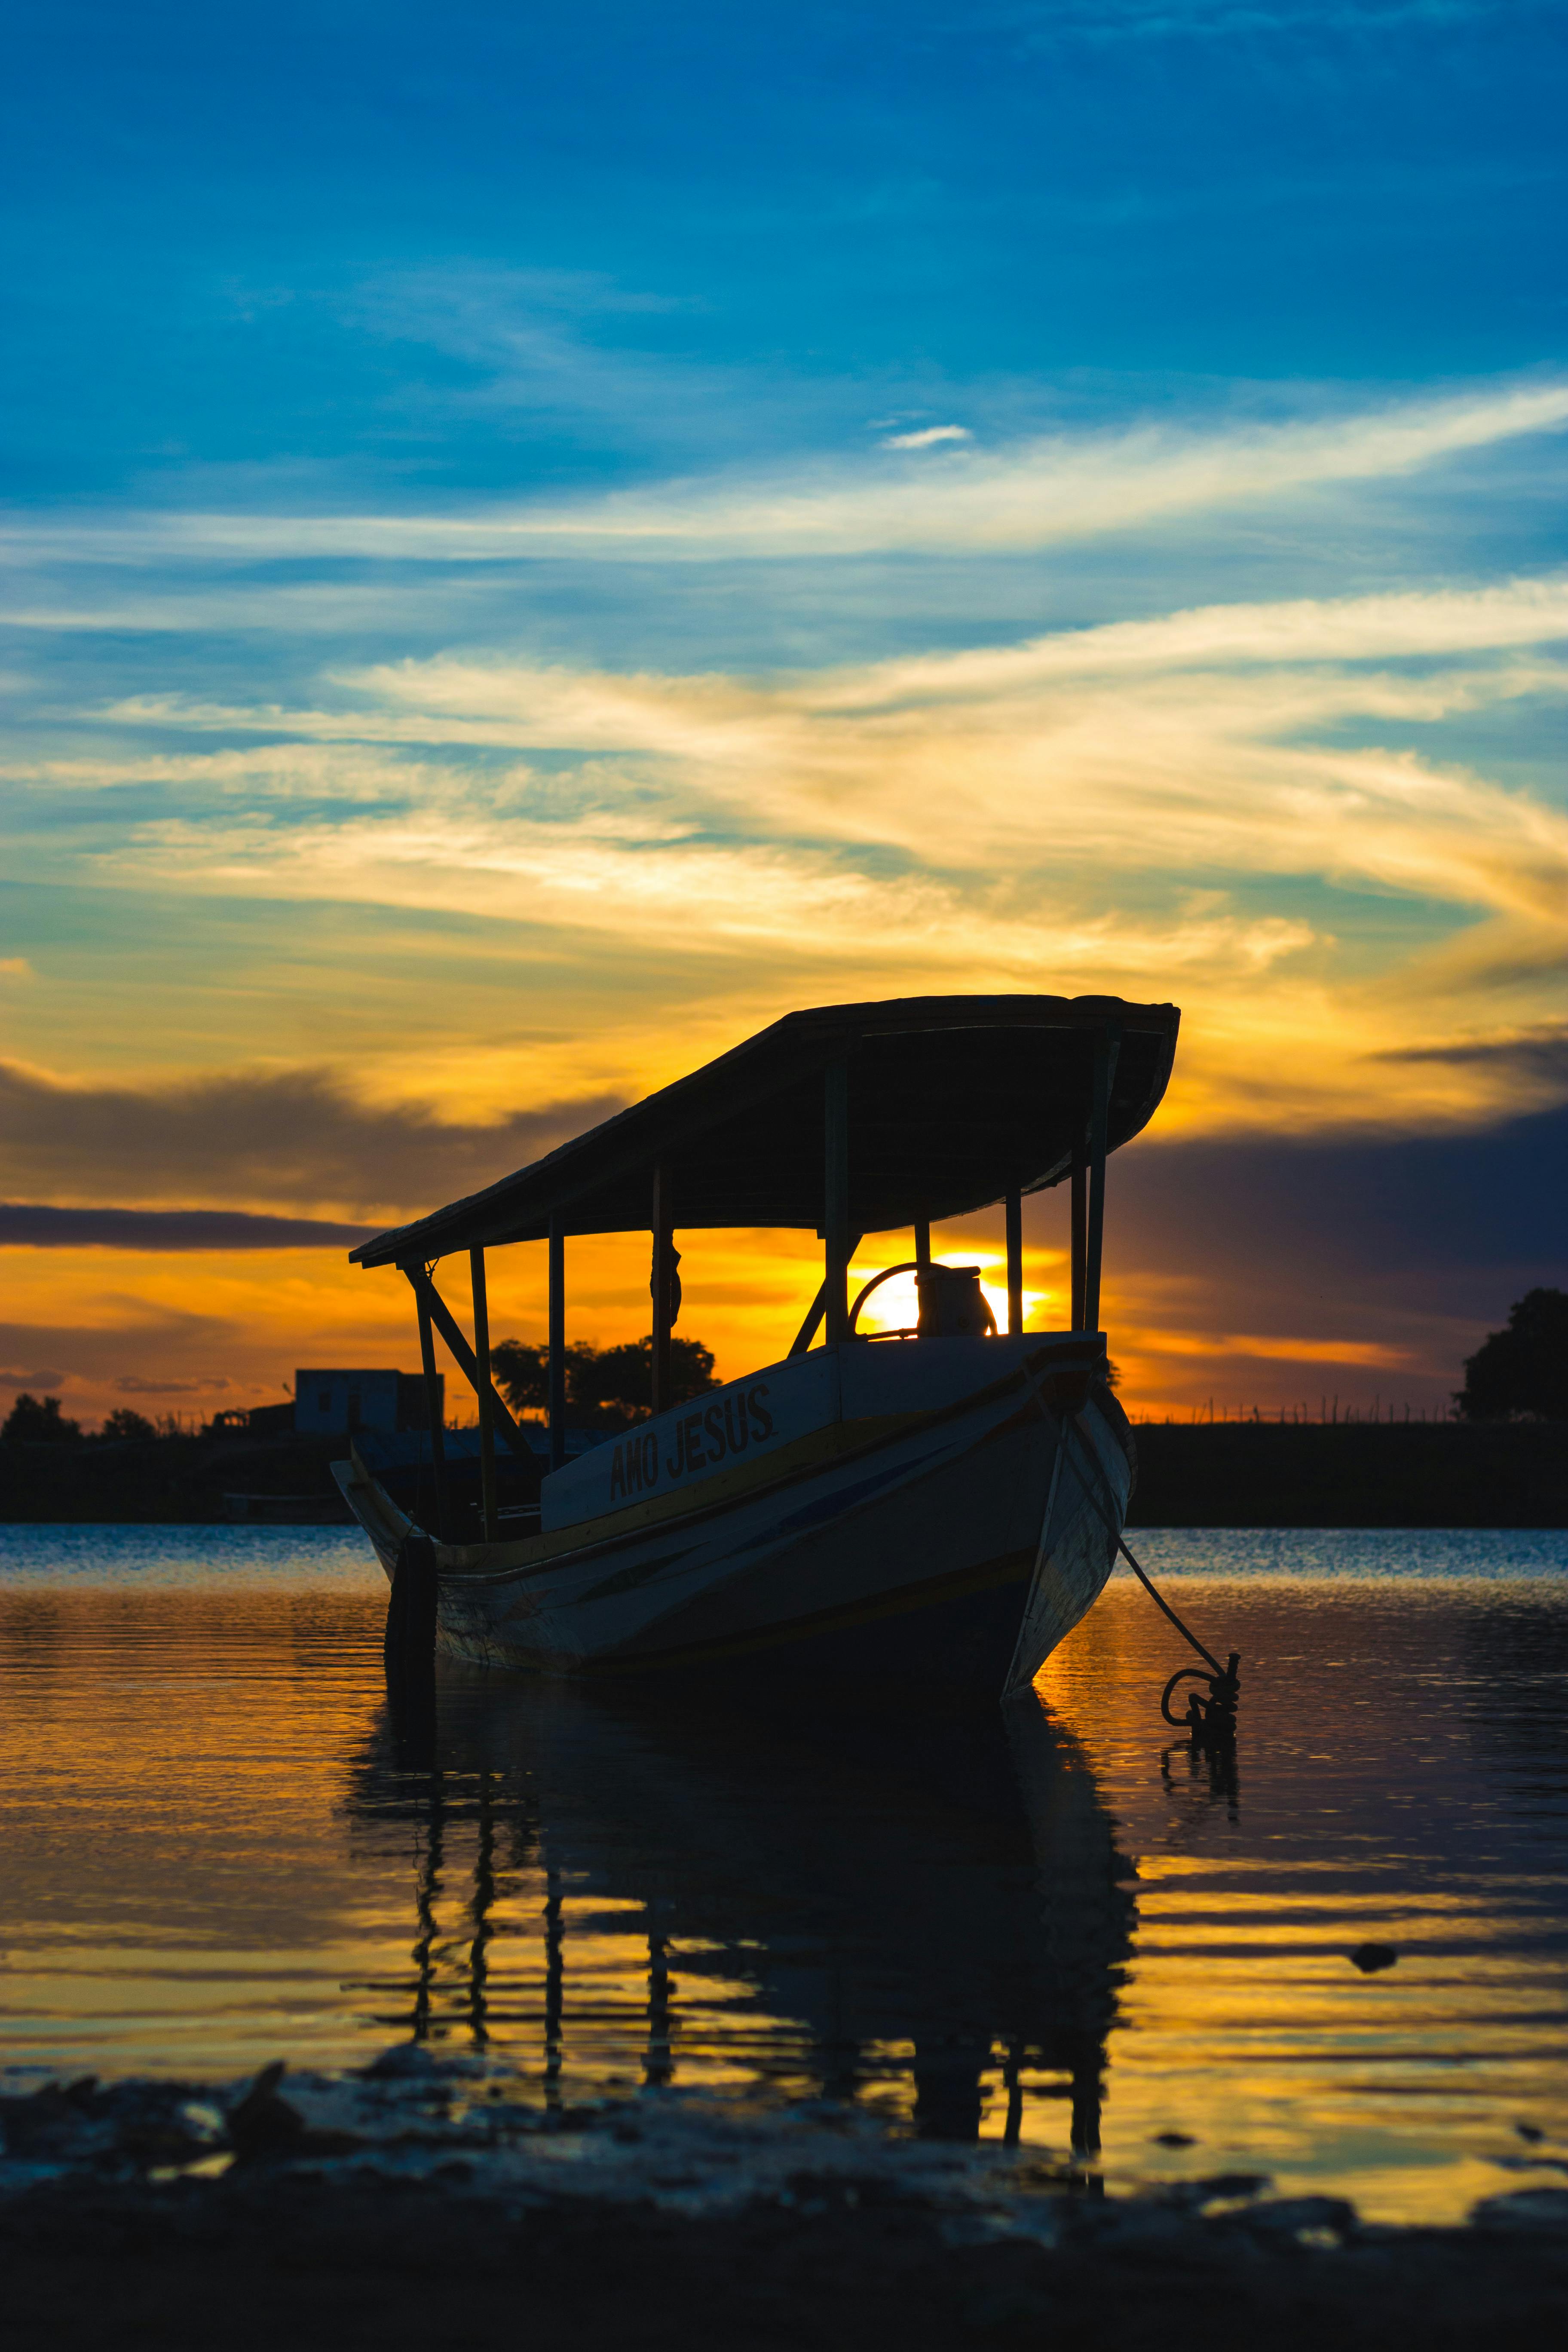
(928, 1919)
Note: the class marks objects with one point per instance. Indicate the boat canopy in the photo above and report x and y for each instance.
(950, 1103)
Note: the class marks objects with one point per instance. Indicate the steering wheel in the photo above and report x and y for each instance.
(906, 1330)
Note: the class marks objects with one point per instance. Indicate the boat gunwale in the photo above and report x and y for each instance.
(518, 1571)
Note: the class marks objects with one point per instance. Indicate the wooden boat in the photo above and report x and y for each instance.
(935, 1507)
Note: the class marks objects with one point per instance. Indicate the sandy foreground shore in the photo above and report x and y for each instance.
(420, 2204)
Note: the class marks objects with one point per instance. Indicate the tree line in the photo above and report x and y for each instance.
(1521, 1370)
(38, 1421)
(607, 1389)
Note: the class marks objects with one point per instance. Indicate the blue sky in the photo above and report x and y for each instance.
(274, 238)
(536, 541)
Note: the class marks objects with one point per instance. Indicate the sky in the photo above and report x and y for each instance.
(535, 543)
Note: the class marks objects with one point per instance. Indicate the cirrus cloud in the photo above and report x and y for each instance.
(1116, 806)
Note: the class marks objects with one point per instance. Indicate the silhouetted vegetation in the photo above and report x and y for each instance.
(1523, 1368)
(1434, 1473)
(38, 1421)
(125, 1425)
(1510, 1470)
(607, 1389)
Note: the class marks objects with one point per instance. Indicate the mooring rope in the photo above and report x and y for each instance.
(1209, 1721)
(1160, 1602)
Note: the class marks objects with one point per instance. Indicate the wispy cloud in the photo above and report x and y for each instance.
(927, 436)
(1050, 24)
(1034, 493)
(534, 340)
(29, 1225)
(1118, 807)
(1285, 1347)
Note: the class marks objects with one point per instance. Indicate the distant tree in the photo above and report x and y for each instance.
(521, 1372)
(38, 1420)
(124, 1423)
(1524, 1369)
(615, 1387)
(607, 1389)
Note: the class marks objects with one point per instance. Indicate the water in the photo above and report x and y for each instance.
(1052, 1926)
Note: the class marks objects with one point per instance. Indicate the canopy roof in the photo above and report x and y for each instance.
(953, 1102)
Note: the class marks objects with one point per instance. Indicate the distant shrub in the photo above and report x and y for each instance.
(124, 1423)
(38, 1421)
(1524, 1369)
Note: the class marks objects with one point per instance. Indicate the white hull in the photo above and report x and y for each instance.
(894, 1528)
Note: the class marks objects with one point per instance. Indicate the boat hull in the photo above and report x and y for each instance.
(945, 1549)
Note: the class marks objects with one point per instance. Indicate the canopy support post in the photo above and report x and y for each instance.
(484, 1390)
(663, 1288)
(1079, 1233)
(433, 1411)
(1105, 1051)
(923, 1246)
(836, 1200)
(807, 1332)
(1014, 1264)
(451, 1330)
(557, 1345)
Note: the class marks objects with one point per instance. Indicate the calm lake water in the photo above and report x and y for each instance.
(1049, 1924)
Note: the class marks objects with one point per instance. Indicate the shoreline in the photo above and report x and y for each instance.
(414, 2203)
(1492, 1474)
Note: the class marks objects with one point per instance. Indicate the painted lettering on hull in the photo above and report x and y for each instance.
(700, 1440)
(634, 1466)
(727, 1428)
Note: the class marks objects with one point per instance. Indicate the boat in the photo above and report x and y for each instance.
(931, 1508)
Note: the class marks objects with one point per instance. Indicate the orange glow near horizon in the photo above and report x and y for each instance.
(193, 1333)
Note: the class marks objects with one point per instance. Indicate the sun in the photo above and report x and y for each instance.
(895, 1305)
